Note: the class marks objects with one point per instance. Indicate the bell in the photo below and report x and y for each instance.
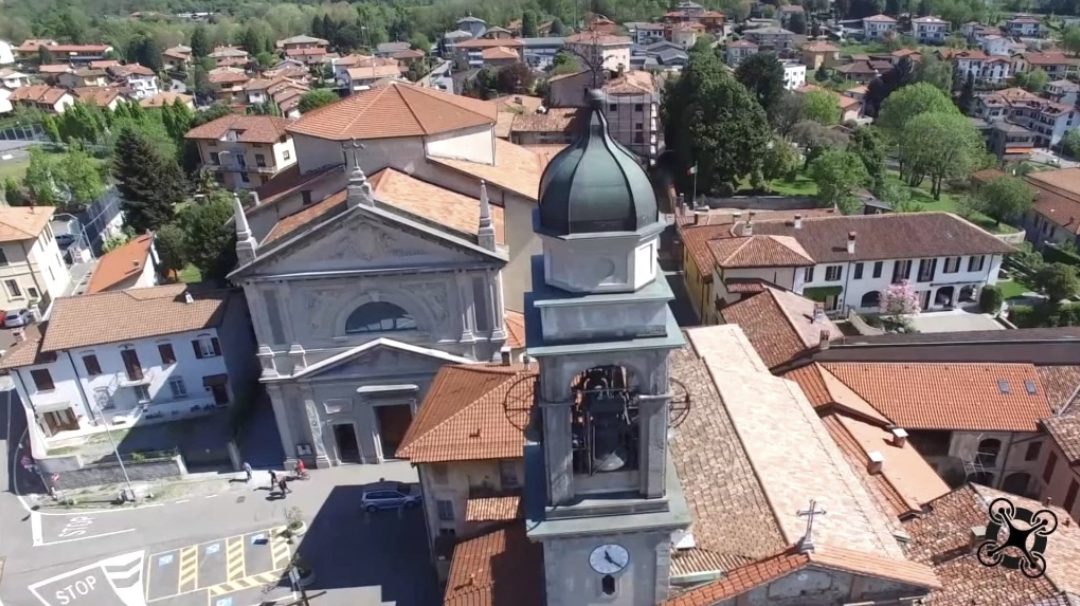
(608, 452)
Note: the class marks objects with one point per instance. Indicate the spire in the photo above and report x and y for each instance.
(485, 235)
(246, 247)
(359, 190)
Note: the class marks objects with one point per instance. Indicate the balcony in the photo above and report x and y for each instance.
(143, 378)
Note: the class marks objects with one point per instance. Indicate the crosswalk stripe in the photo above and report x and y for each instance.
(250, 582)
(189, 568)
(279, 548)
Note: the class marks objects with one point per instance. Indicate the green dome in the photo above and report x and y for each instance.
(595, 184)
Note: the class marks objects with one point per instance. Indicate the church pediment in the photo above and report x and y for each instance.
(365, 239)
(381, 358)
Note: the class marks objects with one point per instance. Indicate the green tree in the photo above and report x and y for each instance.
(44, 55)
(714, 123)
(1071, 142)
(171, 246)
(514, 78)
(837, 174)
(763, 75)
(967, 93)
(797, 23)
(940, 145)
(936, 72)
(420, 42)
(1004, 198)
(51, 128)
(821, 107)
(898, 196)
(316, 98)
(81, 176)
(528, 24)
(565, 63)
(209, 239)
(867, 144)
(908, 102)
(200, 42)
(254, 41)
(1033, 81)
(150, 184)
(14, 194)
(788, 112)
(781, 160)
(1057, 281)
(265, 59)
(145, 50)
(40, 179)
(1070, 39)
(990, 299)
(816, 138)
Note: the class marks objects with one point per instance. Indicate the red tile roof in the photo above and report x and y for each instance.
(429, 202)
(249, 129)
(758, 251)
(493, 509)
(499, 568)
(825, 391)
(947, 396)
(395, 110)
(780, 324)
(472, 412)
(118, 265)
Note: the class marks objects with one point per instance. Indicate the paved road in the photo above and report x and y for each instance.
(221, 549)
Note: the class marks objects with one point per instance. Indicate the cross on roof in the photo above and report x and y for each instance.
(806, 543)
(355, 145)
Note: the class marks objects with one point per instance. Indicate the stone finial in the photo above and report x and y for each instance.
(485, 235)
(359, 190)
(246, 247)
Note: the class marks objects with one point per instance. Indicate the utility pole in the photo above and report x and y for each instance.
(116, 451)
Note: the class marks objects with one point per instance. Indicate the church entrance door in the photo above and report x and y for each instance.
(347, 446)
(393, 423)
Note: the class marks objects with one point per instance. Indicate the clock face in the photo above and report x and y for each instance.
(609, 559)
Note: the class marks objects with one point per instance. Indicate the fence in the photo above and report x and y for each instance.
(22, 132)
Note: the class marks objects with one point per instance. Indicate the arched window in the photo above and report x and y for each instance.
(871, 299)
(988, 452)
(379, 316)
(607, 585)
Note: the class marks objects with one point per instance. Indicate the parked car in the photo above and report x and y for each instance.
(389, 497)
(17, 317)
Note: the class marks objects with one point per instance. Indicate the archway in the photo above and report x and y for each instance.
(967, 294)
(944, 296)
(604, 422)
(871, 299)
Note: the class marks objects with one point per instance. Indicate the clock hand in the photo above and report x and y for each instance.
(607, 556)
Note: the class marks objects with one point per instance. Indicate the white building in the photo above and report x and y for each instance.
(794, 75)
(878, 26)
(12, 79)
(1024, 26)
(1049, 120)
(243, 152)
(7, 56)
(985, 70)
(5, 101)
(31, 267)
(929, 30)
(122, 358)
(994, 44)
(736, 52)
(140, 80)
(606, 51)
(848, 262)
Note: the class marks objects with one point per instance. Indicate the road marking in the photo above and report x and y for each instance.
(211, 496)
(279, 548)
(181, 500)
(254, 580)
(165, 560)
(189, 569)
(93, 536)
(212, 548)
(234, 550)
(35, 529)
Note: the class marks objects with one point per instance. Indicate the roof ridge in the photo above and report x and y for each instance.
(774, 296)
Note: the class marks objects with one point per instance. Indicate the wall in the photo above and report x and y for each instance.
(761, 202)
(571, 582)
(460, 477)
(1062, 476)
(474, 144)
(823, 587)
(33, 264)
(700, 293)
(97, 474)
(785, 277)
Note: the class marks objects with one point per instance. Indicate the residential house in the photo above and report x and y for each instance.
(794, 75)
(787, 11)
(850, 105)
(689, 11)
(281, 91)
(996, 44)
(294, 70)
(31, 266)
(737, 51)
(44, 97)
(177, 58)
(661, 55)
(929, 30)
(131, 265)
(858, 71)
(476, 484)
(985, 70)
(473, 25)
(105, 97)
(301, 42)
(499, 56)
(12, 79)
(243, 152)
(228, 84)
(5, 101)
(1058, 475)
(117, 359)
(470, 54)
(50, 73)
(342, 65)
(1025, 26)
(771, 38)
(1055, 215)
(645, 33)
(599, 50)
(140, 80)
(631, 106)
(308, 56)
(1010, 142)
(1049, 120)
(69, 53)
(549, 126)
(1065, 92)
(878, 27)
(540, 53)
(83, 78)
(229, 56)
(820, 54)
(364, 78)
(168, 98)
(387, 49)
(782, 326)
(685, 35)
(105, 64)
(1057, 65)
(7, 55)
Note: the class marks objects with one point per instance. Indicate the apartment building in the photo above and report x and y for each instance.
(243, 152)
(929, 30)
(31, 267)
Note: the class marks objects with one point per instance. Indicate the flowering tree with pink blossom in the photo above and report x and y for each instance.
(900, 300)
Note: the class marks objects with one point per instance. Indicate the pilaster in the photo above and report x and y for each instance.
(314, 425)
(281, 417)
(558, 453)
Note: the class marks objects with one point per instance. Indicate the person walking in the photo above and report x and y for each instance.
(247, 471)
(273, 480)
(283, 484)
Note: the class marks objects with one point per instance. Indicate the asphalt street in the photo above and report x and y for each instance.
(219, 549)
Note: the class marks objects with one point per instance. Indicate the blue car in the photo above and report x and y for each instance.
(393, 497)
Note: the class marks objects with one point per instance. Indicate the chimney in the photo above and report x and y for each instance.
(851, 243)
(485, 235)
(188, 298)
(874, 465)
(748, 228)
(899, 437)
(977, 536)
(682, 201)
(19, 334)
(504, 353)
(819, 313)
(246, 247)
(824, 339)
(697, 218)
(798, 221)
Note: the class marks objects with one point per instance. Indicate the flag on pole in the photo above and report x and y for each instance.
(692, 170)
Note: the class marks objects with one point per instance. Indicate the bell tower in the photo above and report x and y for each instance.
(603, 498)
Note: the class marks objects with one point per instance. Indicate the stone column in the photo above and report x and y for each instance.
(314, 428)
(652, 446)
(466, 298)
(281, 417)
(558, 452)
(495, 286)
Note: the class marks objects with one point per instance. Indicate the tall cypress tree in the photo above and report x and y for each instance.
(150, 185)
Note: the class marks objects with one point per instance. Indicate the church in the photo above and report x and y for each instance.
(661, 466)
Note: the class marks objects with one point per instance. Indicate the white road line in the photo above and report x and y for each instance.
(35, 529)
(181, 500)
(211, 496)
(93, 536)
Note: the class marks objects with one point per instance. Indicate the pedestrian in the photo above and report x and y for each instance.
(247, 471)
(273, 480)
(283, 484)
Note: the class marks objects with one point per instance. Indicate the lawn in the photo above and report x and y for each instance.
(950, 203)
(1011, 288)
(190, 275)
(15, 167)
(801, 186)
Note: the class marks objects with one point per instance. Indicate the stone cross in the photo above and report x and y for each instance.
(355, 145)
(806, 543)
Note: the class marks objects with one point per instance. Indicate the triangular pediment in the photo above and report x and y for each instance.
(381, 358)
(365, 238)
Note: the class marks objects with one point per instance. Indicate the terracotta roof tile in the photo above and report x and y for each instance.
(433, 203)
(249, 129)
(633, 82)
(37, 93)
(118, 265)
(99, 96)
(286, 226)
(824, 390)
(227, 75)
(493, 509)
(29, 351)
(516, 169)
(554, 120)
(23, 222)
(373, 72)
(395, 110)
(123, 315)
(498, 52)
(500, 568)
(742, 580)
(759, 251)
(472, 412)
(948, 396)
(481, 43)
(889, 236)
(780, 325)
(820, 47)
(1062, 384)
(166, 98)
(1065, 431)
